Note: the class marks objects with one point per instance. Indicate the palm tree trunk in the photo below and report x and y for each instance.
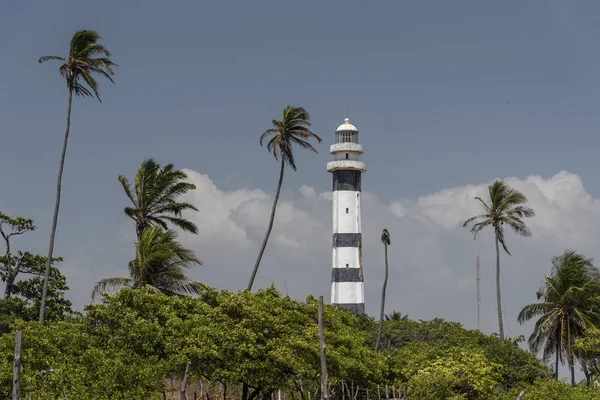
(498, 296)
(56, 208)
(572, 368)
(266, 239)
(557, 358)
(381, 314)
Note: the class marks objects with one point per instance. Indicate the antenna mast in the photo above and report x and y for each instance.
(478, 296)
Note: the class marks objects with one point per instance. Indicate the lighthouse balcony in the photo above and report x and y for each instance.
(350, 165)
(350, 147)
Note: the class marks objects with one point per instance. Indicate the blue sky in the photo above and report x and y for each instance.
(445, 94)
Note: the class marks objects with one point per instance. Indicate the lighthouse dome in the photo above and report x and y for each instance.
(346, 126)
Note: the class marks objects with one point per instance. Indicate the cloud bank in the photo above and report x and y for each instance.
(432, 258)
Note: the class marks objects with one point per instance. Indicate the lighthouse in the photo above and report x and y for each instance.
(347, 285)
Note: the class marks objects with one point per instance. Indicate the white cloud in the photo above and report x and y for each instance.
(432, 258)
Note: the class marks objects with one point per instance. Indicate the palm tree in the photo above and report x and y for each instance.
(396, 316)
(158, 266)
(291, 130)
(385, 239)
(154, 197)
(506, 206)
(86, 58)
(567, 306)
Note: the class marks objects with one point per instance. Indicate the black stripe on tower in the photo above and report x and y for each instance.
(346, 275)
(347, 239)
(347, 180)
(357, 308)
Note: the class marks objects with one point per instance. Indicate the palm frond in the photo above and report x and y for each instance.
(475, 219)
(47, 58)
(291, 130)
(86, 58)
(110, 283)
(385, 237)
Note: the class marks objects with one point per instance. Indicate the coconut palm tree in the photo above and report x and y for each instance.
(396, 316)
(567, 306)
(505, 206)
(159, 266)
(385, 239)
(86, 58)
(292, 130)
(154, 197)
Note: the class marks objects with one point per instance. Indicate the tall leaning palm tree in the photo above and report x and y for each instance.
(505, 206)
(385, 239)
(154, 197)
(159, 266)
(86, 58)
(567, 306)
(292, 130)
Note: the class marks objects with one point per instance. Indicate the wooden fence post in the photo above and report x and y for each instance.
(324, 384)
(17, 367)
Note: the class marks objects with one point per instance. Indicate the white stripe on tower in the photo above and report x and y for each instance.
(347, 284)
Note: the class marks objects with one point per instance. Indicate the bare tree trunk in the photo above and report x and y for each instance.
(12, 273)
(324, 380)
(182, 395)
(17, 367)
(381, 314)
(266, 239)
(378, 393)
(244, 391)
(520, 395)
(498, 296)
(586, 372)
(56, 209)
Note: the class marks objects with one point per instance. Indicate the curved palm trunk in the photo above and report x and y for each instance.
(266, 239)
(498, 296)
(56, 208)
(381, 314)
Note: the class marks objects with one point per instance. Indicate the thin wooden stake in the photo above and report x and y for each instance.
(17, 367)
(378, 393)
(324, 380)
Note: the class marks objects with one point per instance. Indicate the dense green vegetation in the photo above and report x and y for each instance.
(252, 344)
(249, 346)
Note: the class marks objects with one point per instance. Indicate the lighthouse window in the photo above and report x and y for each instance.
(346, 156)
(347, 265)
(347, 211)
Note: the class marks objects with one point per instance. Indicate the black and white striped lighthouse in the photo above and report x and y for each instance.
(347, 287)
